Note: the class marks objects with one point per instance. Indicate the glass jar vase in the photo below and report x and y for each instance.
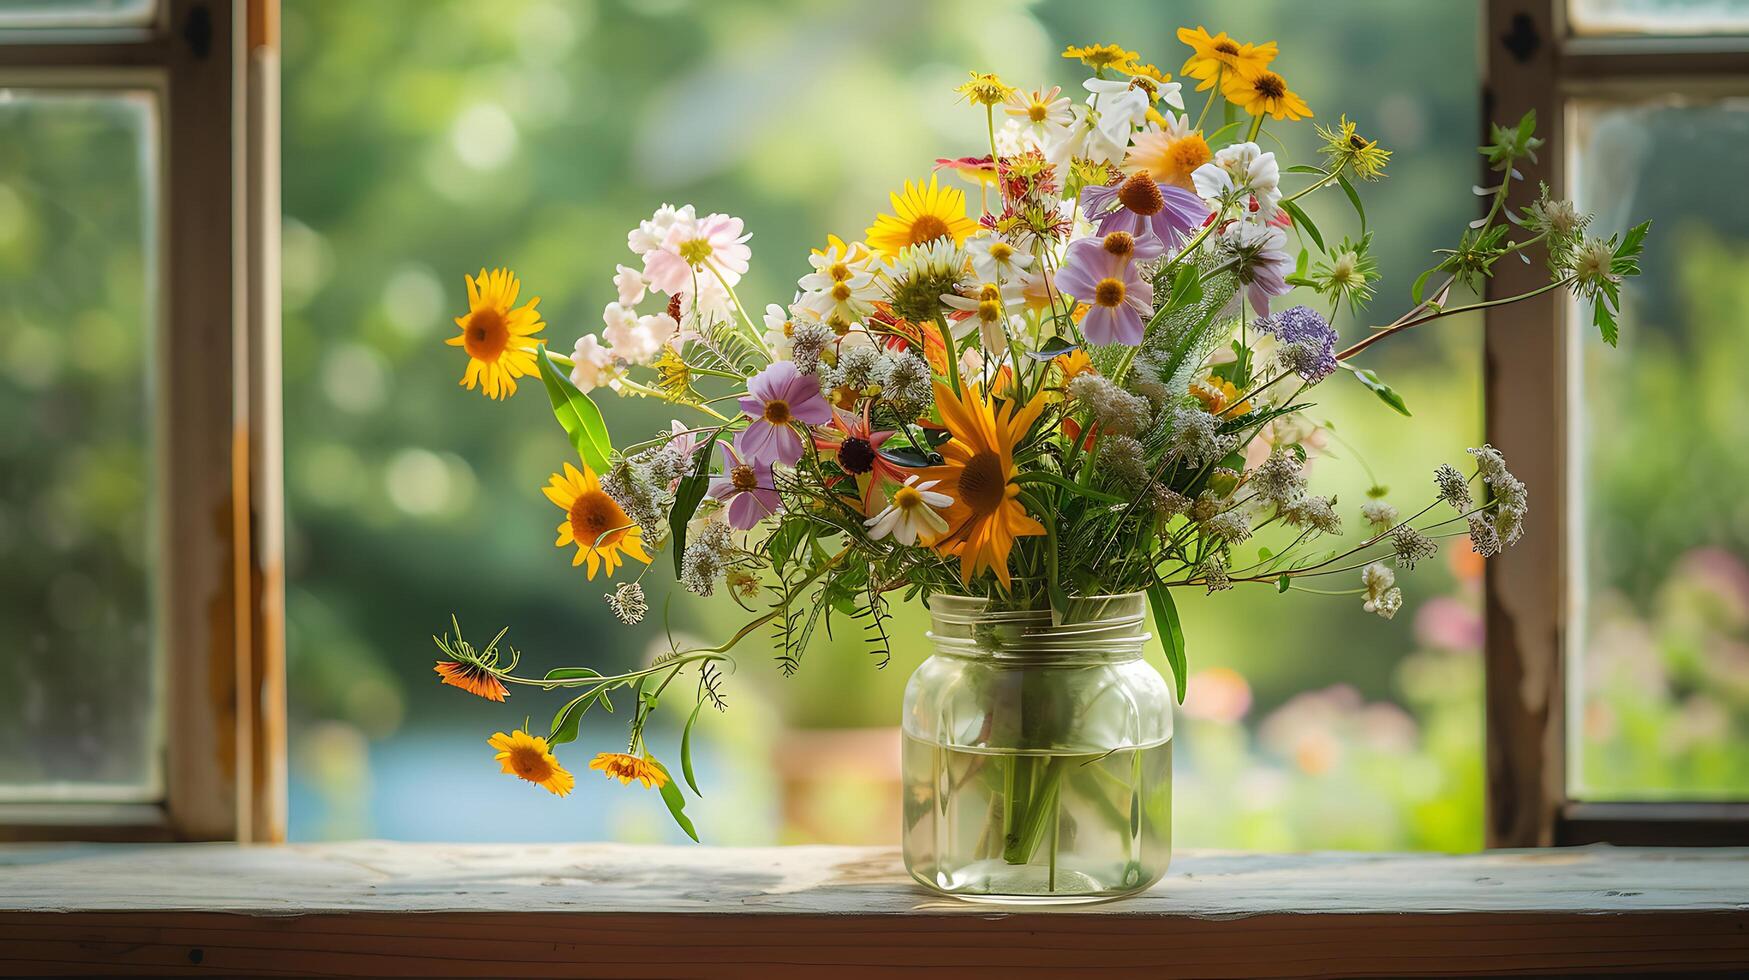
(1038, 753)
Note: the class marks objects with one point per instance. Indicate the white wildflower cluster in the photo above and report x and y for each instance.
(1196, 437)
(1317, 513)
(1114, 410)
(1124, 458)
(906, 384)
(1148, 379)
(1412, 547)
(855, 371)
(1278, 480)
(707, 557)
(808, 344)
(628, 603)
(1214, 573)
(643, 486)
(1453, 488)
(1511, 499)
(1379, 514)
(1167, 502)
(1229, 527)
(841, 290)
(1382, 595)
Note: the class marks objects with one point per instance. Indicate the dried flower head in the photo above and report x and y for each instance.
(628, 603)
(1412, 546)
(1453, 488)
(1379, 514)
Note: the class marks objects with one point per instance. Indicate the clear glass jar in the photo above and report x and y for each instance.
(1038, 754)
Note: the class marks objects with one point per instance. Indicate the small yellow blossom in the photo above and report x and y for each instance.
(986, 88)
(626, 768)
(1099, 56)
(1345, 148)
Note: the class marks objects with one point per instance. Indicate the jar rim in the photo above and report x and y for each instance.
(1100, 627)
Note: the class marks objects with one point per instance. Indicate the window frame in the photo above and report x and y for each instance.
(212, 68)
(1533, 60)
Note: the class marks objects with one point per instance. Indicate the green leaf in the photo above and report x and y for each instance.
(1304, 223)
(578, 415)
(1053, 348)
(1379, 388)
(1044, 476)
(1354, 199)
(1282, 583)
(687, 496)
(567, 719)
(1420, 283)
(1171, 632)
(1304, 169)
(1604, 321)
(1186, 287)
(676, 802)
(1633, 242)
(686, 749)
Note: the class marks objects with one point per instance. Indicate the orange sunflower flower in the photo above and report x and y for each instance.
(985, 517)
(528, 757)
(626, 768)
(922, 214)
(594, 522)
(497, 334)
(473, 678)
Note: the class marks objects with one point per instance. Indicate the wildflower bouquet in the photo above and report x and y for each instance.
(1094, 383)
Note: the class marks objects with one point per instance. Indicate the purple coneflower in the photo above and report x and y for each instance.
(1143, 208)
(775, 396)
(746, 487)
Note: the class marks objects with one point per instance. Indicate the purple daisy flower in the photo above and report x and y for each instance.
(1308, 341)
(1144, 208)
(747, 488)
(775, 396)
(1120, 298)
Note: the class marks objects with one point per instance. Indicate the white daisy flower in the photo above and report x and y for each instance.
(993, 259)
(912, 516)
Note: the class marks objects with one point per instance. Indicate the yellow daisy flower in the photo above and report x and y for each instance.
(986, 88)
(1262, 92)
(1099, 56)
(527, 757)
(1219, 56)
(594, 522)
(626, 768)
(497, 334)
(922, 214)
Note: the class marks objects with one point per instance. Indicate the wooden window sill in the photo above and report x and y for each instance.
(375, 908)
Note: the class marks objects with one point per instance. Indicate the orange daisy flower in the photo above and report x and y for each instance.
(473, 678)
(497, 334)
(985, 517)
(626, 768)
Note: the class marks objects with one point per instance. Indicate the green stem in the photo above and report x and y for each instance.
(953, 360)
(1216, 87)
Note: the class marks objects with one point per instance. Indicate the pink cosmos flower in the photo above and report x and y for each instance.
(776, 396)
(689, 244)
(746, 487)
(1103, 273)
(1143, 208)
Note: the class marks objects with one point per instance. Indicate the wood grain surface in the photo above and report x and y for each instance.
(386, 909)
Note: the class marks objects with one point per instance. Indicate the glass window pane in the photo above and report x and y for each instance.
(1671, 17)
(79, 661)
(1662, 677)
(76, 13)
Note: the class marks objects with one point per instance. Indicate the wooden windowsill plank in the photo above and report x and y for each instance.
(376, 908)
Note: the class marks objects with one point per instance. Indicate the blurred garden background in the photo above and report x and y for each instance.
(424, 139)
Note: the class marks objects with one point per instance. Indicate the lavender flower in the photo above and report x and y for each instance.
(746, 487)
(1113, 286)
(1308, 342)
(1263, 264)
(775, 396)
(1145, 209)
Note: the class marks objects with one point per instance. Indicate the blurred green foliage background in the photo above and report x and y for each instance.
(426, 138)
